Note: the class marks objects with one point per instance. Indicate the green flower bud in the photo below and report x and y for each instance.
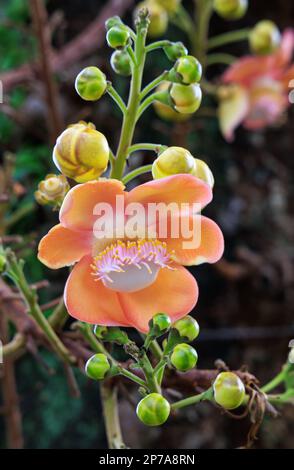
(186, 99)
(175, 50)
(161, 323)
(229, 390)
(187, 328)
(91, 83)
(118, 37)
(171, 6)
(184, 357)
(231, 9)
(158, 17)
(121, 63)
(97, 366)
(153, 410)
(264, 38)
(113, 21)
(188, 69)
(164, 109)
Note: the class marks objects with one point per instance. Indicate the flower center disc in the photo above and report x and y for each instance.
(130, 266)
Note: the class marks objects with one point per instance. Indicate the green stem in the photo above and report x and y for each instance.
(153, 84)
(30, 297)
(227, 38)
(111, 416)
(157, 45)
(59, 316)
(132, 377)
(91, 339)
(19, 214)
(277, 380)
(200, 38)
(207, 395)
(137, 172)
(226, 59)
(148, 101)
(153, 147)
(147, 368)
(116, 98)
(129, 120)
(132, 55)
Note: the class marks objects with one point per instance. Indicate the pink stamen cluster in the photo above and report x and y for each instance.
(140, 253)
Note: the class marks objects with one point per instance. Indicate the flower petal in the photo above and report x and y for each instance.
(89, 300)
(247, 70)
(284, 54)
(174, 292)
(77, 209)
(178, 189)
(63, 247)
(191, 249)
(267, 104)
(232, 110)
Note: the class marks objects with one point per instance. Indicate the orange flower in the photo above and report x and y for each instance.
(257, 89)
(124, 282)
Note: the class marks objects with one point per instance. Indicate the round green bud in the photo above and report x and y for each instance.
(91, 83)
(162, 322)
(231, 9)
(97, 366)
(184, 357)
(189, 69)
(153, 410)
(229, 390)
(121, 63)
(187, 327)
(186, 98)
(175, 50)
(264, 38)
(113, 21)
(117, 37)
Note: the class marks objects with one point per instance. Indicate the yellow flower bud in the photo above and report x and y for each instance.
(52, 190)
(172, 161)
(170, 6)
(186, 98)
(264, 38)
(231, 9)
(176, 160)
(81, 152)
(203, 172)
(157, 15)
(166, 112)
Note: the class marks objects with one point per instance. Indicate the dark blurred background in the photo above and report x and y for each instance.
(246, 301)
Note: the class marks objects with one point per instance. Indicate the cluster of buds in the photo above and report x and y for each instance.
(231, 9)
(175, 160)
(52, 190)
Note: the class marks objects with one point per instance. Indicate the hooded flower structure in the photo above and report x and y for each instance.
(256, 89)
(121, 281)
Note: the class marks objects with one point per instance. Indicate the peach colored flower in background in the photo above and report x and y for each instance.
(256, 88)
(125, 282)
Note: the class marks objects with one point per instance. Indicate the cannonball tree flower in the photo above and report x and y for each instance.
(255, 91)
(121, 282)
